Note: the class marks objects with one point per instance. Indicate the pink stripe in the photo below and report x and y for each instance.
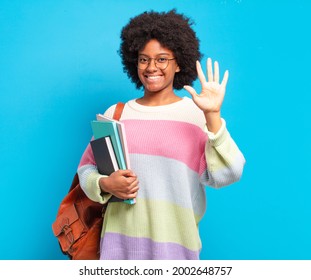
(87, 157)
(181, 141)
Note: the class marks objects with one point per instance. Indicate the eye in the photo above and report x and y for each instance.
(143, 60)
(161, 60)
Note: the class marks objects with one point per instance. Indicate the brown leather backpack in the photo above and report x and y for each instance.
(79, 220)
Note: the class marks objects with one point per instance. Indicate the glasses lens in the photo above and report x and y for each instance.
(142, 62)
(160, 62)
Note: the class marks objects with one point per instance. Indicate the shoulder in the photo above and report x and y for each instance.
(109, 112)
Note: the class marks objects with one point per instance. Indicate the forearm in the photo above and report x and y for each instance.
(225, 162)
(213, 121)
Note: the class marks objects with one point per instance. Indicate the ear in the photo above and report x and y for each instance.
(177, 69)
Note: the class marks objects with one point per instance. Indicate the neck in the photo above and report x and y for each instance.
(158, 99)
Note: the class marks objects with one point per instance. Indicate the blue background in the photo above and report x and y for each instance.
(59, 66)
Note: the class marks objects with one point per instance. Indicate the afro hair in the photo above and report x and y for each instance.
(173, 31)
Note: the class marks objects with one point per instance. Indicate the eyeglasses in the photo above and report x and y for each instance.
(160, 62)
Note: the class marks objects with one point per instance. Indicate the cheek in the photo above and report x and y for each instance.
(171, 75)
(140, 75)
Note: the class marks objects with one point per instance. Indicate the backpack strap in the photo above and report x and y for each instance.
(118, 111)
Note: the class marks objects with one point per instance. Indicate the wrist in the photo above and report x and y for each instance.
(213, 121)
(102, 184)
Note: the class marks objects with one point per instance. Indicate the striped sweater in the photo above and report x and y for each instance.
(174, 158)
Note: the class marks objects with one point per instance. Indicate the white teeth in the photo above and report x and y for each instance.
(153, 77)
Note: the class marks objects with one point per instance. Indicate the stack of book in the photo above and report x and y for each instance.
(109, 147)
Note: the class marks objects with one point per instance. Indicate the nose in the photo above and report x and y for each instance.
(152, 65)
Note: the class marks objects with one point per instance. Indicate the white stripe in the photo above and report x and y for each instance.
(182, 111)
(169, 180)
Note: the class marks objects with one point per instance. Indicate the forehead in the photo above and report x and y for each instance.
(153, 48)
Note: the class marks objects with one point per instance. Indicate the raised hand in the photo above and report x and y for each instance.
(212, 94)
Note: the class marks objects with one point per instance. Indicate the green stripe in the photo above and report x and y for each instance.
(158, 220)
(94, 192)
(214, 159)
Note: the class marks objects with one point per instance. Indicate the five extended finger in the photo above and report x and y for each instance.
(201, 75)
(225, 79)
(191, 90)
(210, 77)
(216, 72)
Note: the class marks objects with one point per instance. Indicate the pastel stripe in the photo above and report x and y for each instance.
(120, 247)
(85, 172)
(167, 144)
(87, 157)
(184, 110)
(187, 190)
(225, 176)
(231, 154)
(179, 224)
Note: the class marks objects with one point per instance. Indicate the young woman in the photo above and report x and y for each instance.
(177, 145)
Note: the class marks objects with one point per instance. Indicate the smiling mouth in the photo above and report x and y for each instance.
(153, 78)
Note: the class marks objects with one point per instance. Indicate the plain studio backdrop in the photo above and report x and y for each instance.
(59, 67)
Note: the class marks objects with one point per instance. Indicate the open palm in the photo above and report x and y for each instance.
(212, 94)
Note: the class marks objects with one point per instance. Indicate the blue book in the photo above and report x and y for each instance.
(104, 129)
(121, 129)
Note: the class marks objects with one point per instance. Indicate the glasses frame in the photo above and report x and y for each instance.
(155, 62)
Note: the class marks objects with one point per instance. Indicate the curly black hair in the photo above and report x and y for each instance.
(173, 31)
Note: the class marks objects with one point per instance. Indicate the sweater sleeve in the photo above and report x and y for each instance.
(225, 162)
(89, 177)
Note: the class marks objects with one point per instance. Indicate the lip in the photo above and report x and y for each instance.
(153, 77)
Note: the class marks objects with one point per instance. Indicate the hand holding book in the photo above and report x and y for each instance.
(121, 183)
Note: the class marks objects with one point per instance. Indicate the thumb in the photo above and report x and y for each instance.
(192, 91)
(127, 173)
